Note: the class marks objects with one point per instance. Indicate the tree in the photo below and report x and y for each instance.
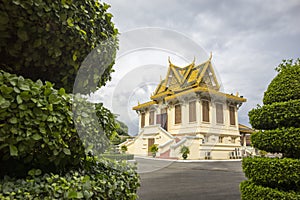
(48, 40)
(42, 154)
(122, 128)
(278, 122)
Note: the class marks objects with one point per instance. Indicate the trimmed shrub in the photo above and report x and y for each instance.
(273, 172)
(37, 129)
(279, 124)
(251, 191)
(48, 40)
(99, 180)
(276, 115)
(286, 85)
(285, 140)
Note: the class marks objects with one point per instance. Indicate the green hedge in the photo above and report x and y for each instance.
(273, 172)
(276, 115)
(285, 140)
(38, 129)
(49, 40)
(119, 156)
(101, 180)
(286, 85)
(251, 191)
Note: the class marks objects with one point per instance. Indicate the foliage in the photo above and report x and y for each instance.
(273, 172)
(252, 191)
(284, 140)
(38, 129)
(279, 123)
(99, 180)
(184, 150)
(118, 156)
(48, 40)
(124, 148)
(122, 129)
(276, 115)
(286, 85)
(154, 148)
(107, 121)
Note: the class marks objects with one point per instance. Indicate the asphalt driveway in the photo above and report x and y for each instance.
(163, 180)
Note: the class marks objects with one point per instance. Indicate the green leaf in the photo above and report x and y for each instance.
(22, 34)
(72, 194)
(13, 120)
(19, 99)
(13, 150)
(24, 87)
(37, 43)
(70, 22)
(67, 151)
(36, 137)
(61, 91)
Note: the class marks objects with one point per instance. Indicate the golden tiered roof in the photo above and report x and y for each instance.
(182, 81)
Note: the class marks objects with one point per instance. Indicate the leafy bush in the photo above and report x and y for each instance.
(48, 40)
(284, 140)
(37, 129)
(184, 150)
(276, 115)
(273, 172)
(286, 85)
(279, 124)
(251, 191)
(99, 180)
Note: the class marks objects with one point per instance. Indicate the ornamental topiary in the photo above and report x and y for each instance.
(48, 40)
(278, 122)
(282, 88)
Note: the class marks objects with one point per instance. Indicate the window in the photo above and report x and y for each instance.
(162, 119)
(142, 120)
(205, 111)
(151, 118)
(192, 111)
(221, 139)
(219, 113)
(232, 115)
(177, 114)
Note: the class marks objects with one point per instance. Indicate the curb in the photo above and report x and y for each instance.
(188, 161)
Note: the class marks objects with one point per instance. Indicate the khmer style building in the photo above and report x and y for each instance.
(188, 109)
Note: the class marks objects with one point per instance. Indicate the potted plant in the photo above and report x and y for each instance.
(153, 150)
(184, 151)
(124, 148)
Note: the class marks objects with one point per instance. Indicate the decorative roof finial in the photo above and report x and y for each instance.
(169, 60)
(194, 60)
(210, 56)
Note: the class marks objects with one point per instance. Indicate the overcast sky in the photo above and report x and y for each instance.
(248, 40)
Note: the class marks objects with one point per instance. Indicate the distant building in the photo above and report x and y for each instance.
(188, 109)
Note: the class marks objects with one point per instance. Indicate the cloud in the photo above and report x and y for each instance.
(248, 38)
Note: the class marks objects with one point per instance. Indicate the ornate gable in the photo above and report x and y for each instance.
(182, 78)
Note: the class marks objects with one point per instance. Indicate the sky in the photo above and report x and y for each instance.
(247, 38)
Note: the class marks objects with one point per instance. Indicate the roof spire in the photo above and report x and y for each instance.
(194, 60)
(169, 60)
(210, 56)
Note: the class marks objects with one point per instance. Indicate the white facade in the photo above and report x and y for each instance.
(197, 116)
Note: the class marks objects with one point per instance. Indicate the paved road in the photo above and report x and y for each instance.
(190, 181)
